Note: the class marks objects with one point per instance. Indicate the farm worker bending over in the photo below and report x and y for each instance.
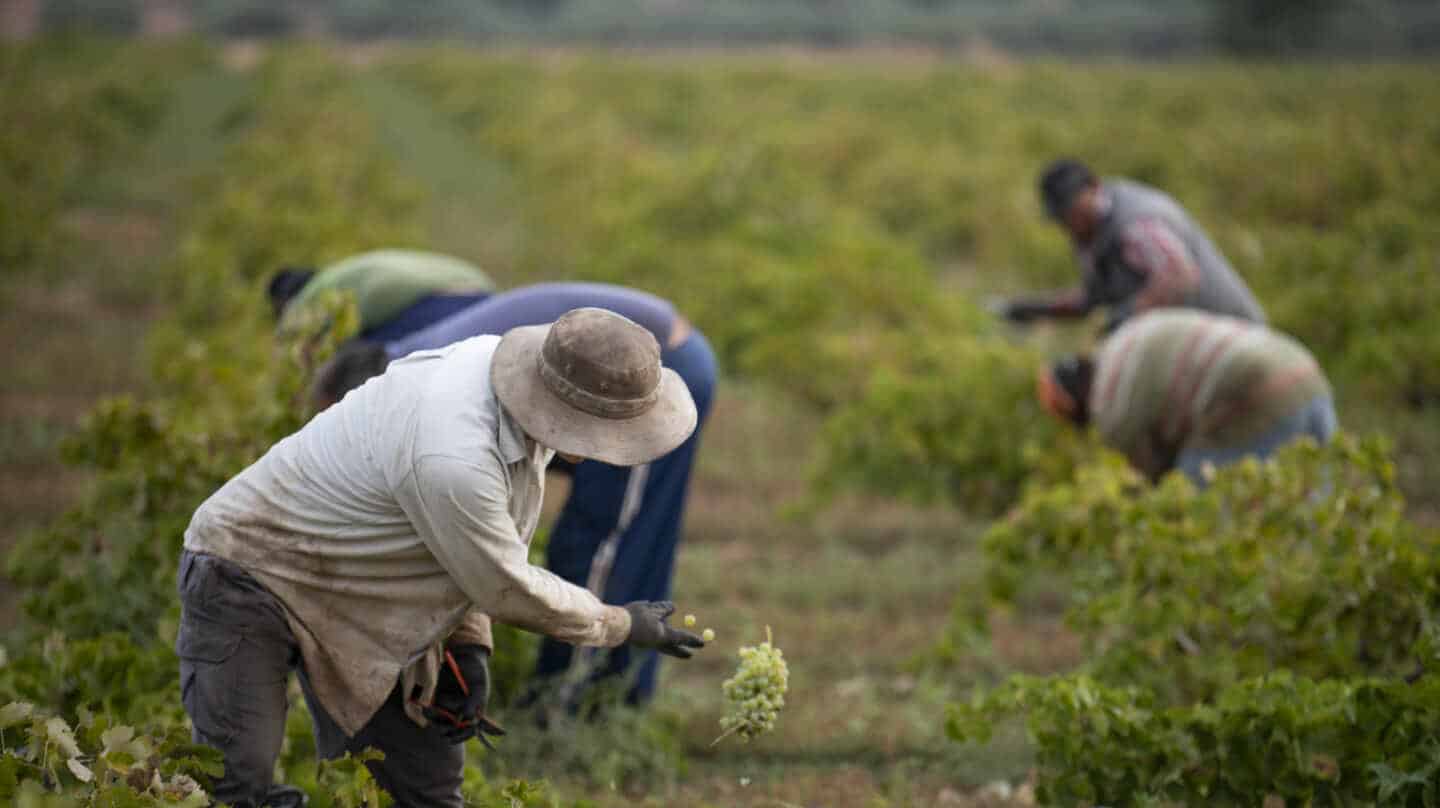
(1181, 388)
(619, 529)
(396, 291)
(371, 549)
(1137, 249)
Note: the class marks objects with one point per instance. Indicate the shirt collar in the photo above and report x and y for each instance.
(513, 443)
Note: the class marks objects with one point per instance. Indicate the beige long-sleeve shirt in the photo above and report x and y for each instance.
(394, 519)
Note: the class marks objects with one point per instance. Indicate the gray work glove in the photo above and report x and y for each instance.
(461, 694)
(1022, 311)
(648, 629)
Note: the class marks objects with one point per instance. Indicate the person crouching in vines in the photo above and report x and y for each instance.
(370, 550)
(1186, 389)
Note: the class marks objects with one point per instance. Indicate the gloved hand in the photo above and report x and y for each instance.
(648, 629)
(1021, 311)
(461, 695)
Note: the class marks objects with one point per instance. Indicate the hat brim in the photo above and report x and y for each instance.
(559, 426)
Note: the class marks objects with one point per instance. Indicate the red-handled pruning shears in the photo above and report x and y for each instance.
(485, 725)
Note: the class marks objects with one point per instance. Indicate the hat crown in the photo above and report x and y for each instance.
(601, 363)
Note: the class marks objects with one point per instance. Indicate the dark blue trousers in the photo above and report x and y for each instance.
(617, 536)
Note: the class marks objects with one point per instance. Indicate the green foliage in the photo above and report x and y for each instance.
(1387, 269)
(348, 783)
(1311, 742)
(828, 228)
(652, 196)
(69, 106)
(46, 761)
(793, 213)
(111, 673)
(99, 584)
(1307, 563)
(952, 421)
(1263, 629)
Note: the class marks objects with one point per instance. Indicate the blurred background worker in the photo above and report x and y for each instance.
(397, 292)
(618, 531)
(1137, 249)
(1182, 389)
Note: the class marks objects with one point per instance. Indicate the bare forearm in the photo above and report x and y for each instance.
(1068, 304)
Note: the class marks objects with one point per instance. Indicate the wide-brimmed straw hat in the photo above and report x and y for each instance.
(591, 384)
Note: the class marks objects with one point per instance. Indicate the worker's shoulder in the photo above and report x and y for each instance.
(464, 352)
(458, 470)
(1132, 186)
(451, 391)
(1136, 200)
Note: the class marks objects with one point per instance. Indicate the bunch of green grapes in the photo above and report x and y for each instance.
(755, 694)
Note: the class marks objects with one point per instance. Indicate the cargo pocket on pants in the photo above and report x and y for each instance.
(206, 680)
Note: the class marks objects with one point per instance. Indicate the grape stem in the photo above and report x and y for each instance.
(727, 733)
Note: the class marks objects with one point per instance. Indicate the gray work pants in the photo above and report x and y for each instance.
(236, 653)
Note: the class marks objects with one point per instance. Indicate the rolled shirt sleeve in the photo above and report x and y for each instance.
(1152, 249)
(460, 510)
(474, 630)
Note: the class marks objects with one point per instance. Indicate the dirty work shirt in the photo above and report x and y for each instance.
(394, 518)
(386, 282)
(541, 303)
(1148, 253)
(1179, 379)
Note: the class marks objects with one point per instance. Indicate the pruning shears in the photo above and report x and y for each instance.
(434, 711)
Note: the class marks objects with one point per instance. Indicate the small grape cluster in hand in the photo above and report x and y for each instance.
(755, 694)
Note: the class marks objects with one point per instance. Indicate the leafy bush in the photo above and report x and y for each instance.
(951, 422)
(1307, 563)
(44, 761)
(70, 106)
(804, 217)
(1362, 741)
(1250, 638)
